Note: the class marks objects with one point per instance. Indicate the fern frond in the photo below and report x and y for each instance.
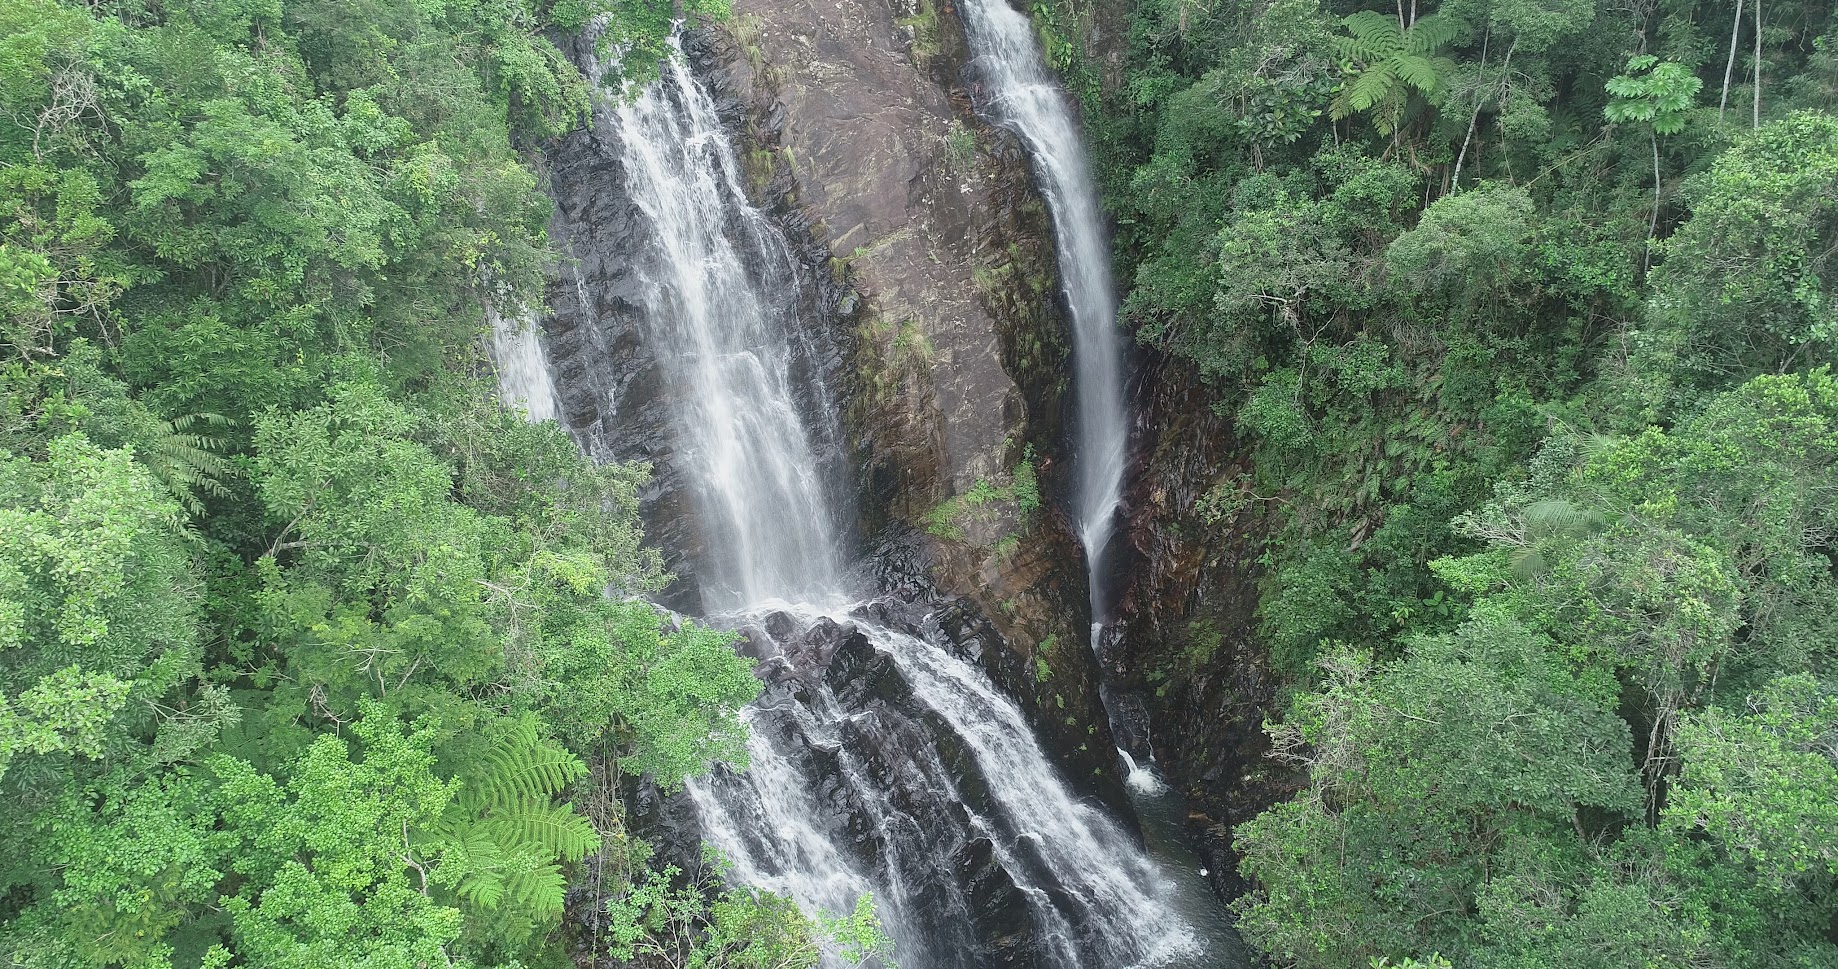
(547, 829)
(482, 863)
(1341, 108)
(186, 461)
(1376, 29)
(1416, 71)
(520, 768)
(1432, 33)
(1370, 88)
(1557, 518)
(540, 890)
(1528, 563)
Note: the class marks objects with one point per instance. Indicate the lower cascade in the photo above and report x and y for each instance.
(882, 762)
(882, 759)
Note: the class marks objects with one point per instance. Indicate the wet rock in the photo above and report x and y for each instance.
(1191, 680)
(614, 396)
(992, 893)
(861, 140)
(862, 675)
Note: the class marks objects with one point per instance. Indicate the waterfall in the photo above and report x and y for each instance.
(881, 758)
(1140, 778)
(1023, 97)
(523, 371)
(716, 278)
(1094, 899)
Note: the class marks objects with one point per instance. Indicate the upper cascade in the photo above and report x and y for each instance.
(1021, 95)
(715, 276)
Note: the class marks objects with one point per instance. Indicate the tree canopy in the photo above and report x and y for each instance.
(1529, 339)
(311, 652)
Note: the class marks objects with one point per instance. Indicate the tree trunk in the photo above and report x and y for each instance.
(1455, 184)
(1653, 226)
(1757, 118)
(1729, 68)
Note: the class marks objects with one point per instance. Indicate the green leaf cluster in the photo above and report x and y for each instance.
(1526, 350)
(311, 653)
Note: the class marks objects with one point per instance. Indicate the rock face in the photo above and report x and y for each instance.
(882, 760)
(860, 139)
(931, 217)
(1192, 675)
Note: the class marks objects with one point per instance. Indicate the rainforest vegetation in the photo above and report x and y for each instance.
(1524, 310)
(312, 653)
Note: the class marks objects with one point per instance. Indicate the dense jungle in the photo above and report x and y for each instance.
(776, 484)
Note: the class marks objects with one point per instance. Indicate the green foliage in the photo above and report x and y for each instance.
(1628, 591)
(986, 504)
(695, 925)
(1763, 783)
(98, 611)
(1747, 285)
(1655, 93)
(1527, 378)
(1389, 60)
(293, 612)
(502, 840)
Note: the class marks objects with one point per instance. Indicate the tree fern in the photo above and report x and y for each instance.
(539, 890)
(474, 865)
(1548, 522)
(1389, 62)
(504, 838)
(519, 769)
(185, 459)
(554, 829)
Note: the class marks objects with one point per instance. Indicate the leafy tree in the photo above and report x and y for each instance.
(98, 614)
(1658, 95)
(1747, 284)
(1517, 410)
(691, 927)
(1762, 782)
(292, 610)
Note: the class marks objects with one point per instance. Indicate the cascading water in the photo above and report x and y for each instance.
(880, 761)
(523, 371)
(715, 275)
(1022, 96)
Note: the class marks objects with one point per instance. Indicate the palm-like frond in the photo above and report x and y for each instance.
(1418, 71)
(540, 890)
(520, 768)
(1375, 37)
(1365, 92)
(186, 460)
(1558, 518)
(1432, 33)
(504, 839)
(1390, 61)
(550, 830)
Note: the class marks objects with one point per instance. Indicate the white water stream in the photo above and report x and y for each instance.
(523, 370)
(1025, 98)
(716, 277)
(849, 793)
